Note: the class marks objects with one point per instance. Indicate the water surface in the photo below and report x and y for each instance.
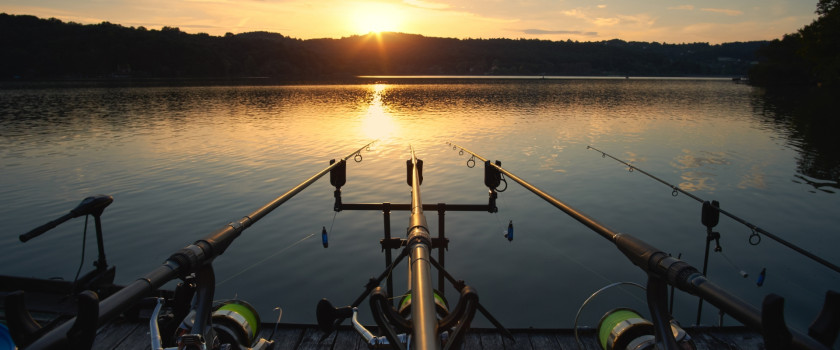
(183, 162)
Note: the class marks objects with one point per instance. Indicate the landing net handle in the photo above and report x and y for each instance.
(180, 264)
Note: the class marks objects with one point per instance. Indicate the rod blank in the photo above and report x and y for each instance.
(755, 228)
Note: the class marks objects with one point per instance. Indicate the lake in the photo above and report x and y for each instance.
(182, 162)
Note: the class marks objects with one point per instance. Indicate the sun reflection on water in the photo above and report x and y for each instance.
(377, 122)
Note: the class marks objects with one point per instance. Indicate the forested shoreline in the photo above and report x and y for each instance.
(49, 49)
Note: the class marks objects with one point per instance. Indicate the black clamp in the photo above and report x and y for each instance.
(715, 236)
(338, 178)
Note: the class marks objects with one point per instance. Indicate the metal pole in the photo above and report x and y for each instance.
(386, 217)
(705, 271)
(442, 238)
(101, 263)
(423, 317)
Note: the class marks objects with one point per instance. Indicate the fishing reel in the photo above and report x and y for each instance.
(624, 328)
(235, 325)
(228, 324)
(396, 323)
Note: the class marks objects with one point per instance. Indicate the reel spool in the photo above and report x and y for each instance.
(441, 305)
(235, 322)
(625, 329)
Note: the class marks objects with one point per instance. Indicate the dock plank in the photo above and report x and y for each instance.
(543, 340)
(521, 341)
(285, 337)
(723, 338)
(113, 334)
(566, 339)
(491, 340)
(472, 341)
(139, 338)
(313, 339)
(348, 339)
(124, 334)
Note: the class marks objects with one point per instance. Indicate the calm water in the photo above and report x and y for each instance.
(183, 162)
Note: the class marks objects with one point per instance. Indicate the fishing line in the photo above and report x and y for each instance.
(499, 222)
(266, 258)
(82, 262)
(754, 239)
(333, 221)
(596, 273)
(741, 272)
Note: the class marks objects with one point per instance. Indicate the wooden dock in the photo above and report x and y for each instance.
(123, 334)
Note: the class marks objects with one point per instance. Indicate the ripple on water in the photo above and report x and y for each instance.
(183, 162)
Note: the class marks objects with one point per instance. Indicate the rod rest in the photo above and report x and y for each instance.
(825, 328)
(338, 178)
(773, 329)
(409, 169)
(386, 317)
(83, 332)
(459, 319)
(25, 330)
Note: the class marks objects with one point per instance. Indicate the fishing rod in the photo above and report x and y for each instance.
(423, 318)
(423, 315)
(754, 228)
(663, 270)
(195, 258)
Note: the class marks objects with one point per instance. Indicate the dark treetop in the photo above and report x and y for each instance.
(34, 48)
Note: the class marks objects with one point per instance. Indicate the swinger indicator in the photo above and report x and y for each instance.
(324, 239)
(761, 276)
(509, 233)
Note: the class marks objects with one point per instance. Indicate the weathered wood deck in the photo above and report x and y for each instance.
(135, 335)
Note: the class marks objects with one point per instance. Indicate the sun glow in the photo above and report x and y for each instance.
(377, 123)
(376, 18)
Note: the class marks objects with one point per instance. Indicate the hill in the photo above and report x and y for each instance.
(34, 48)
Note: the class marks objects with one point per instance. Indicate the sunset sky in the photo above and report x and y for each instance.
(672, 21)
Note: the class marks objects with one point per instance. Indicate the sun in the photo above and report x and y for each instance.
(376, 18)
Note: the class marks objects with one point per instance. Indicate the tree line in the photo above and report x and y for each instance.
(811, 56)
(34, 48)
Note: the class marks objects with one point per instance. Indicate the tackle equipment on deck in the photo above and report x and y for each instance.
(423, 318)
(193, 264)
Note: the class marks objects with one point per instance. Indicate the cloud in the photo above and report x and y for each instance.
(682, 7)
(576, 13)
(602, 6)
(427, 4)
(600, 21)
(727, 12)
(543, 31)
(639, 20)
